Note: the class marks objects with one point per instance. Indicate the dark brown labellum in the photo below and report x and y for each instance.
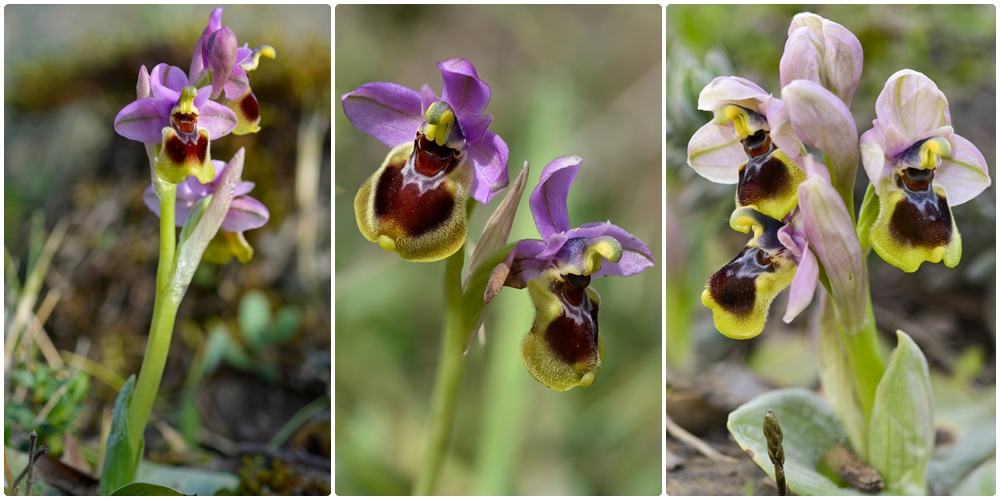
(413, 212)
(762, 178)
(574, 341)
(733, 287)
(922, 217)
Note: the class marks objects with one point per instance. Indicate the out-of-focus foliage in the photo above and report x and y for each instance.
(565, 80)
(53, 404)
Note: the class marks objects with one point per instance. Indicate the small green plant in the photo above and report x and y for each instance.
(260, 333)
(52, 403)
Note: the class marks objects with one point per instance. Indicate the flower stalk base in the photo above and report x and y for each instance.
(164, 313)
(448, 378)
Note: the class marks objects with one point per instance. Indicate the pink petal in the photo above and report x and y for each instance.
(386, 111)
(169, 76)
(462, 87)
(912, 102)
(489, 163)
(217, 119)
(963, 173)
(715, 152)
(823, 122)
(548, 199)
(803, 285)
(141, 121)
(734, 90)
(801, 59)
(245, 213)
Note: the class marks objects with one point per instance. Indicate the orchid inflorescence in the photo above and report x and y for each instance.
(177, 115)
(800, 206)
(415, 205)
(794, 161)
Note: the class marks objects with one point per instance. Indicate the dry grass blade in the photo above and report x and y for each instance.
(94, 369)
(32, 286)
(38, 332)
(312, 130)
(691, 440)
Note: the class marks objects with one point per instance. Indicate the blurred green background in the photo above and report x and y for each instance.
(565, 80)
(68, 70)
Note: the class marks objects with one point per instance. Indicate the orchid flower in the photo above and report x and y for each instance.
(244, 213)
(218, 60)
(180, 118)
(740, 294)
(920, 169)
(563, 349)
(819, 230)
(750, 141)
(414, 204)
(789, 252)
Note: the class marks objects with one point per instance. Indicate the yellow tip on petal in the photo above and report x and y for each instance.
(387, 243)
(263, 50)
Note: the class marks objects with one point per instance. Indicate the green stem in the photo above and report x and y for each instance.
(865, 358)
(161, 329)
(448, 379)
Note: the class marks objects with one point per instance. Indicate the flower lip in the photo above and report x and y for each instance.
(740, 294)
(414, 204)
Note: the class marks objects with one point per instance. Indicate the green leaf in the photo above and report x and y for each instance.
(497, 227)
(254, 318)
(215, 349)
(967, 423)
(286, 323)
(810, 429)
(199, 482)
(475, 285)
(194, 216)
(901, 430)
(146, 490)
(869, 212)
(119, 462)
(981, 482)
